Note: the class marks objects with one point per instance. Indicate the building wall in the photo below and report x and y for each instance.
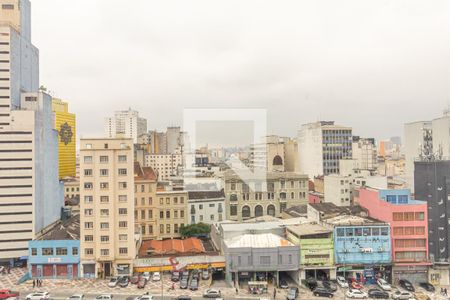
(165, 165)
(338, 189)
(365, 153)
(172, 214)
(314, 251)
(72, 189)
(106, 206)
(61, 265)
(66, 126)
(206, 211)
(310, 150)
(146, 208)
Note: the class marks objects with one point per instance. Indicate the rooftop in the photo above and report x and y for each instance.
(297, 211)
(330, 209)
(68, 229)
(350, 220)
(206, 194)
(171, 246)
(308, 229)
(143, 173)
(265, 240)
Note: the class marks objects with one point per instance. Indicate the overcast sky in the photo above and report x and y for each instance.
(373, 65)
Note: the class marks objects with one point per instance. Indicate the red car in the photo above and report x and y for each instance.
(5, 294)
(355, 285)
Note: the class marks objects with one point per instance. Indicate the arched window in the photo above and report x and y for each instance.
(277, 161)
(245, 211)
(271, 210)
(259, 211)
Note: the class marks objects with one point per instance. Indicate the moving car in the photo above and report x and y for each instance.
(402, 295)
(329, 285)
(5, 294)
(37, 296)
(104, 297)
(146, 275)
(156, 276)
(183, 283)
(113, 281)
(342, 282)
(292, 293)
(406, 285)
(144, 297)
(205, 275)
(427, 286)
(212, 293)
(124, 281)
(76, 297)
(321, 292)
(194, 285)
(283, 284)
(356, 294)
(141, 283)
(378, 294)
(311, 283)
(383, 284)
(175, 276)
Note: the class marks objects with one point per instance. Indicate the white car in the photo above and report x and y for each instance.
(356, 294)
(402, 295)
(144, 297)
(383, 284)
(104, 297)
(156, 276)
(76, 297)
(37, 296)
(113, 281)
(342, 282)
(212, 293)
(146, 275)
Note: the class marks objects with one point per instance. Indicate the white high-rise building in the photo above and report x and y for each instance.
(126, 123)
(31, 195)
(321, 145)
(364, 151)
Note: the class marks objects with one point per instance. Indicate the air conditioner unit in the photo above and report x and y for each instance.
(366, 250)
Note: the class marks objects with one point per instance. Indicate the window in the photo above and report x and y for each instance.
(122, 158)
(264, 260)
(233, 210)
(167, 200)
(200, 206)
(7, 6)
(181, 213)
(391, 199)
(366, 231)
(33, 251)
(161, 201)
(87, 159)
(104, 199)
(175, 200)
(150, 214)
(123, 251)
(358, 232)
(403, 199)
(88, 212)
(89, 251)
(88, 185)
(87, 172)
(61, 251)
(47, 251)
(420, 230)
(104, 212)
(168, 228)
(211, 217)
(420, 216)
(88, 225)
(142, 214)
(398, 230)
(123, 198)
(161, 228)
(233, 186)
(122, 172)
(88, 238)
(150, 201)
(104, 185)
(408, 216)
(104, 238)
(384, 231)
(150, 229)
(398, 216)
(340, 231)
(74, 251)
(349, 232)
(123, 237)
(104, 252)
(104, 225)
(375, 231)
(175, 228)
(103, 159)
(122, 211)
(290, 258)
(122, 185)
(409, 230)
(161, 214)
(182, 200)
(103, 172)
(123, 224)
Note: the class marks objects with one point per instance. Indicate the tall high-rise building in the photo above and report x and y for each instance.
(30, 192)
(125, 123)
(321, 145)
(66, 127)
(106, 207)
(364, 151)
(173, 136)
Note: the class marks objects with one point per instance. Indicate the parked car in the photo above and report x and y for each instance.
(124, 281)
(134, 279)
(311, 283)
(104, 297)
(378, 294)
(406, 285)
(142, 282)
(156, 276)
(292, 293)
(194, 285)
(144, 297)
(146, 275)
(113, 281)
(76, 297)
(283, 284)
(329, 285)
(321, 292)
(402, 295)
(342, 282)
(421, 296)
(175, 276)
(212, 293)
(427, 286)
(383, 284)
(185, 274)
(183, 283)
(353, 284)
(195, 274)
(183, 298)
(5, 294)
(205, 274)
(37, 296)
(356, 294)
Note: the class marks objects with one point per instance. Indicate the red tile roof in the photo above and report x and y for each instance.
(171, 246)
(143, 173)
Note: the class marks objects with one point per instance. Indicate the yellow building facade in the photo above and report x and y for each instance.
(65, 124)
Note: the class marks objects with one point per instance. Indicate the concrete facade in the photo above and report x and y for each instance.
(165, 165)
(206, 207)
(125, 123)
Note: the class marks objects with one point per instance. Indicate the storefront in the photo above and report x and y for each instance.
(365, 274)
(414, 274)
(161, 264)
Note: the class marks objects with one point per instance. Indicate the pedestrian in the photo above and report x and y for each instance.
(442, 291)
(274, 293)
(236, 290)
(445, 292)
(34, 283)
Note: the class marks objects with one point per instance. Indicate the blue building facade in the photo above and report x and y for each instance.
(54, 258)
(363, 250)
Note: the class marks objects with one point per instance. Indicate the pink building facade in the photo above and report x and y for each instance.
(408, 219)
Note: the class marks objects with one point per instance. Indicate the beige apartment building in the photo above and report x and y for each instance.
(106, 207)
(280, 191)
(172, 213)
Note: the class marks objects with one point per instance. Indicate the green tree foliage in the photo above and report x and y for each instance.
(195, 230)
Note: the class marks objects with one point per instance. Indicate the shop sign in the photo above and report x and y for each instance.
(54, 260)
